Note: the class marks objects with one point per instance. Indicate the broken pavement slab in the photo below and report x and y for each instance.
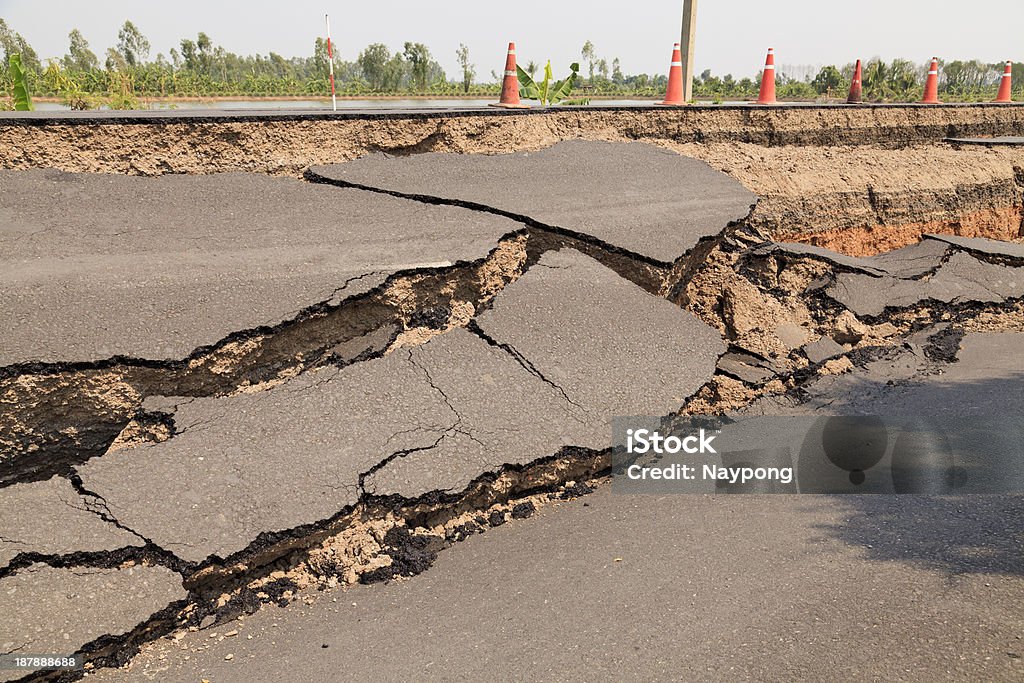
(796, 250)
(981, 245)
(51, 611)
(962, 278)
(506, 415)
(571, 347)
(611, 347)
(51, 518)
(912, 261)
(941, 268)
(640, 198)
(98, 266)
(249, 464)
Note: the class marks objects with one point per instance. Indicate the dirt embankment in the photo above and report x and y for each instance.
(863, 200)
(855, 179)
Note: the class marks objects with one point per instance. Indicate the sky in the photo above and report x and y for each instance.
(732, 35)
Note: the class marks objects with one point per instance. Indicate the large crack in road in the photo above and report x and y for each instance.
(354, 440)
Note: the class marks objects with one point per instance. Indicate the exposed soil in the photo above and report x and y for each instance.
(863, 200)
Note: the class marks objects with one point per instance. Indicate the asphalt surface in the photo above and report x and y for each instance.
(662, 588)
(650, 587)
(50, 518)
(641, 198)
(95, 266)
(45, 608)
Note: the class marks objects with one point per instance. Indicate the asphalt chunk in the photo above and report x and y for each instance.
(822, 350)
(600, 339)
(249, 464)
(640, 198)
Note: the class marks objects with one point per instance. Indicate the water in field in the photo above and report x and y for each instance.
(326, 104)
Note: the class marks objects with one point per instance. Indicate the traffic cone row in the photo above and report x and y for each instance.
(674, 93)
(931, 87)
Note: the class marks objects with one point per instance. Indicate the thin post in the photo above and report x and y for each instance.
(686, 42)
(330, 59)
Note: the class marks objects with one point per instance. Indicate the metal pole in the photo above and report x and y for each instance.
(330, 59)
(686, 43)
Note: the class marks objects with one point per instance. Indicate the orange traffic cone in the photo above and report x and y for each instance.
(510, 84)
(931, 86)
(1006, 85)
(767, 95)
(856, 89)
(674, 95)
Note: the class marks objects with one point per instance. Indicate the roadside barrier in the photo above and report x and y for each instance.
(1005, 85)
(510, 85)
(856, 87)
(931, 86)
(674, 95)
(767, 95)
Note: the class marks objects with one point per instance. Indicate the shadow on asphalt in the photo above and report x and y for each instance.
(956, 534)
(953, 535)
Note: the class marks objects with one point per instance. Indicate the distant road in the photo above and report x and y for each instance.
(8, 118)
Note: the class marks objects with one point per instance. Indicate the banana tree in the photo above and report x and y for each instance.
(547, 92)
(19, 85)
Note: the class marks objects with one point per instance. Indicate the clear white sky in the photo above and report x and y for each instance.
(733, 35)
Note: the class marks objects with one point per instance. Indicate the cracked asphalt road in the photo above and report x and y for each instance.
(471, 380)
(430, 419)
(705, 587)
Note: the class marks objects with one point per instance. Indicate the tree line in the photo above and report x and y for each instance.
(198, 67)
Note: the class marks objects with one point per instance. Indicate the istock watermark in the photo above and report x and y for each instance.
(701, 442)
(848, 454)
